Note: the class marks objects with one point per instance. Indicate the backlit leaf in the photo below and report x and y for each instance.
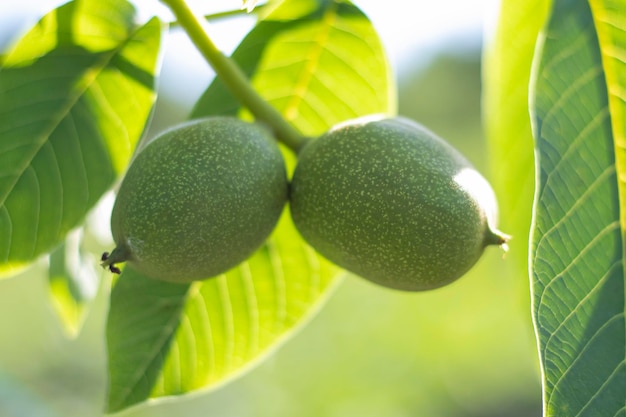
(577, 248)
(75, 94)
(317, 66)
(507, 60)
(169, 339)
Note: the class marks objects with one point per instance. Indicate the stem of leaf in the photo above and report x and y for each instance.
(234, 78)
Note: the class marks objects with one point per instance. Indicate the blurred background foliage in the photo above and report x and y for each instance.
(467, 350)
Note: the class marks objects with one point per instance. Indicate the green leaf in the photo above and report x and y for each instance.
(144, 316)
(75, 94)
(507, 60)
(73, 281)
(169, 339)
(611, 29)
(319, 66)
(577, 248)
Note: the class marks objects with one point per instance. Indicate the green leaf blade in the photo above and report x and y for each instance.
(611, 27)
(303, 62)
(167, 339)
(577, 247)
(143, 317)
(507, 61)
(71, 114)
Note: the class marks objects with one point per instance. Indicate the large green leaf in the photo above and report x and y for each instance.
(611, 28)
(302, 61)
(168, 340)
(75, 94)
(577, 245)
(507, 59)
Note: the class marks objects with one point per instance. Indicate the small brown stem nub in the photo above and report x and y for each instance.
(109, 260)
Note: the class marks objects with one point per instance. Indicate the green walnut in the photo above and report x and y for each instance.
(198, 200)
(393, 203)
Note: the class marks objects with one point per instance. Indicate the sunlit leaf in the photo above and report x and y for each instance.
(317, 66)
(75, 94)
(144, 316)
(167, 339)
(610, 26)
(507, 60)
(577, 245)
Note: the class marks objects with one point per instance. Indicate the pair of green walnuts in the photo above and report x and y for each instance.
(383, 198)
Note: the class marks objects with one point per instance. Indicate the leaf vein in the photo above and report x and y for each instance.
(601, 388)
(578, 204)
(565, 96)
(252, 305)
(609, 228)
(280, 285)
(228, 320)
(312, 59)
(140, 371)
(580, 353)
(581, 302)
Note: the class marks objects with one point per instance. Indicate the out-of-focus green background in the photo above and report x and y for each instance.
(467, 350)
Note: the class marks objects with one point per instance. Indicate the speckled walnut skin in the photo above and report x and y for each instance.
(379, 198)
(198, 200)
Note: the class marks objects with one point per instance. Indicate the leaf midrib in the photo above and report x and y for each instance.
(313, 57)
